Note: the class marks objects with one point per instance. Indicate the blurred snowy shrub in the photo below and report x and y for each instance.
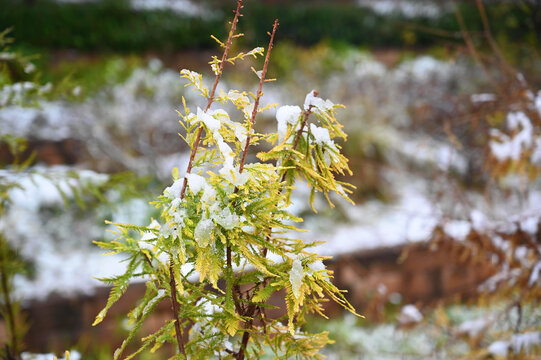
(73, 355)
(495, 220)
(18, 76)
(48, 215)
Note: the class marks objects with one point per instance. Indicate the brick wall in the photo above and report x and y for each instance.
(422, 277)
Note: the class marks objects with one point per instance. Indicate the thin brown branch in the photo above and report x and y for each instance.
(9, 313)
(494, 46)
(253, 308)
(249, 312)
(212, 93)
(175, 305)
(473, 51)
(258, 95)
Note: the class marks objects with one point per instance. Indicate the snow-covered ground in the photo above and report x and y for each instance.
(407, 8)
(187, 7)
(141, 112)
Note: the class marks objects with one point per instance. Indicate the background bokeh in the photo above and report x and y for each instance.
(442, 251)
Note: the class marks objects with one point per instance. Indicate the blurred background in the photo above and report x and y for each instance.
(442, 251)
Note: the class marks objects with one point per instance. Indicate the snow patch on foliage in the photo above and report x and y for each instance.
(173, 191)
(196, 183)
(227, 219)
(511, 147)
(313, 102)
(73, 355)
(407, 8)
(295, 277)
(203, 232)
(321, 135)
(287, 115)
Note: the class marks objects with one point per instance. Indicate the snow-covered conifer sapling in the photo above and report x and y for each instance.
(221, 246)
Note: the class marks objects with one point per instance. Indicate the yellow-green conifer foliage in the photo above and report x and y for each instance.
(226, 222)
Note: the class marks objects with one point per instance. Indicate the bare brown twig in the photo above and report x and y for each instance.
(258, 96)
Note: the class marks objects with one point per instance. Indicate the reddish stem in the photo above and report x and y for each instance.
(251, 309)
(197, 141)
(213, 91)
(258, 95)
(176, 309)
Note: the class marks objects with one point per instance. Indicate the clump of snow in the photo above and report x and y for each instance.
(226, 219)
(420, 228)
(209, 195)
(210, 122)
(537, 102)
(310, 100)
(524, 341)
(196, 183)
(457, 229)
(287, 115)
(534, 276)
(518, 343)
(530, 225)
(173, 191)
(73, 355)
(366, 67)
(317, 266)
(295, 277)
(233, 175)
(480, 98)
(409, 314)
(203, 232)
(505, 147)
(479, 220)
(406, 8)
(474, 327)
(187, 7)
(149, 235)
(499, 348)
(313, 101)
(321, 135)
(424, 69)
(429, 152)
